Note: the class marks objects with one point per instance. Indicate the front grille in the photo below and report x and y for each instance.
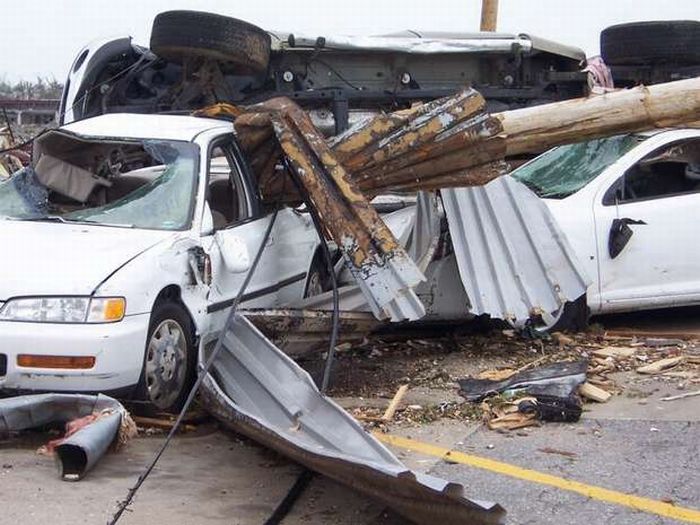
(3, 364)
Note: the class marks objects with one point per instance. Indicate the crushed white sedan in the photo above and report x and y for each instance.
(629, 206)
(133, 232)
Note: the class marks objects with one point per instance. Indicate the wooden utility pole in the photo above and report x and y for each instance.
(489, 15)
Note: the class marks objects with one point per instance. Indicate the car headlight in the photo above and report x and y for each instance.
(64, 309)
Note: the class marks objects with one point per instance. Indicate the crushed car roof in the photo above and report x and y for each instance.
(133, 126)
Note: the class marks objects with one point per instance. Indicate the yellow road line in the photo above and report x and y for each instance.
(590, 491)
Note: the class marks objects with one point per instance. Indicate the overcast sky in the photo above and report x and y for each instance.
(41, 37)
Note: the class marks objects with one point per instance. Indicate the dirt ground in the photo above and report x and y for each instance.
(635, 443)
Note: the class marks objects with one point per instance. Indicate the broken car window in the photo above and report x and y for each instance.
(674, 170)
(225, 192)
(564, 170)
(143, 184)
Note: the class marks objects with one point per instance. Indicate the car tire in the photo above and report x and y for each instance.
(169, 362)
(673, 41)
(177, 35)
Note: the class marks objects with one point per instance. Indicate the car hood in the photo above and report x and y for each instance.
(40, 258)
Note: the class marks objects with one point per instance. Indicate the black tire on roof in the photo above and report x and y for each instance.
(180, 34)
(671, 41)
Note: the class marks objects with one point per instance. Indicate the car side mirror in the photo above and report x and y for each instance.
(234, 252)
(620, 235)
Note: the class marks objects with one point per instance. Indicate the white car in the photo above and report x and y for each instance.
(127, 240)
(630, 206)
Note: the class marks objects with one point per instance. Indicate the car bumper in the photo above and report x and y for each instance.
(117, 347)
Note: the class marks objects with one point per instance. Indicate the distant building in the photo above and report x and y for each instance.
(29, 111)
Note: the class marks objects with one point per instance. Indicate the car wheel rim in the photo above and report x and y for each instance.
(166, 363)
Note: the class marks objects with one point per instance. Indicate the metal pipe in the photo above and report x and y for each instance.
(78, 453)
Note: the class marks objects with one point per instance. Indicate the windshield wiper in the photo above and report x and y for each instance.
(49, 218)
(57, 218)
(99, 223)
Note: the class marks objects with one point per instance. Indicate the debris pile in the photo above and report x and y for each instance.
(369, 375)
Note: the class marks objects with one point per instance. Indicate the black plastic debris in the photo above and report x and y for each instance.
(553, 408)
(553, 388)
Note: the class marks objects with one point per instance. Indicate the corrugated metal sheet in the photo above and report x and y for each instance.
(513, 259)
(258, 391)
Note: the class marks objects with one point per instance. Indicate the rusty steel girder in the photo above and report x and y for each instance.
(446, 142)
(380, 265)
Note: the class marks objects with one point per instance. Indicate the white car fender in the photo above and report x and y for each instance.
(145, 276)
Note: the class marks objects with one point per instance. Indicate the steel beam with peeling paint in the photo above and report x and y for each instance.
(514, 260)
(258, 391)
(416, 227)
(383, 270)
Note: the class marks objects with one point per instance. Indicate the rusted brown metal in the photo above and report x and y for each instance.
(381, 266)
(383, 269)
(455, 163)
(420, 128)
(220, 110)
(417, 148)
(475, 176)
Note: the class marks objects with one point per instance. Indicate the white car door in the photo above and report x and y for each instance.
(646, 231)
(239, 228)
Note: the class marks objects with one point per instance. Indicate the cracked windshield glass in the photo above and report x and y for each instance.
(147, 184)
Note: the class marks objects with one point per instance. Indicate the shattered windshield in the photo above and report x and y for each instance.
(147, 184)
(564, 170)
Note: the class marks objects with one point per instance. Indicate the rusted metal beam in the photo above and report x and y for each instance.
(381, 266)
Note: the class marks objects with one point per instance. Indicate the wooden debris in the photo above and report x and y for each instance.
(496, 375)
(394, 404)
(624, 111)
(453, 141)
(531, 364)
(163, 424)
(630, 333)
(594, 393)
(681, 396)
(513, 421)
(549, 450)
(659, 366)
(562, 339)
(601, 382)
(615, 352)
(505, 416)
(680, 374)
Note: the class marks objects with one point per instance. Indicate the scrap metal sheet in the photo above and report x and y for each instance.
(79, 452)
(258, 391)
(513, 259)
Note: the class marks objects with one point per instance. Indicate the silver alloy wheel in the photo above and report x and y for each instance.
(166, 363)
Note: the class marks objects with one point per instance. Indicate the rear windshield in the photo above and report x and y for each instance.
(564, 170)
